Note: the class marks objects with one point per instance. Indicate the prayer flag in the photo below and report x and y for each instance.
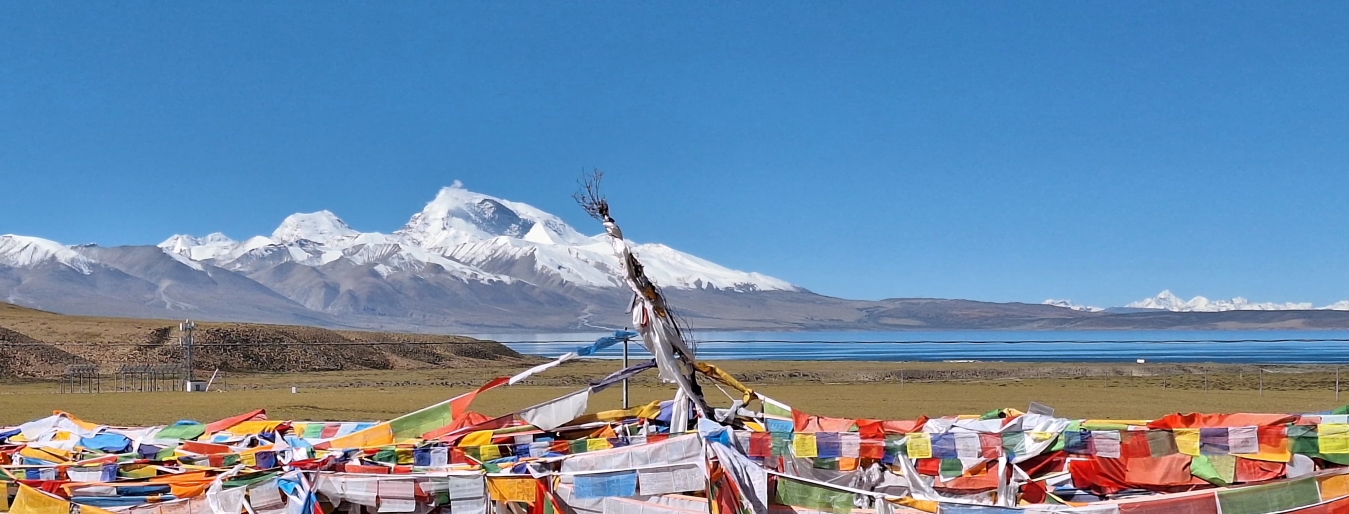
(1262, 499)
(1333, 438)
(1243, 440)
(760, 444)
(919, 445)
(803, 494)
(803, 445)
(602, 485)
(1213, 441)
(1187, 440)
(828, 445)
(1106, 443)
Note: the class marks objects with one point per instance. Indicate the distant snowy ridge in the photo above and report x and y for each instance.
(1170, 302)
(475, 237)
(25, 252)
(1068, 304)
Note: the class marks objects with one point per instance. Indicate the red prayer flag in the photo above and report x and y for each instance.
(990, 445)
(760, 444)
(872, 450)
(1134, 445)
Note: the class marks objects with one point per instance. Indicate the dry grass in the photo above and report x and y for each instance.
(828, 388)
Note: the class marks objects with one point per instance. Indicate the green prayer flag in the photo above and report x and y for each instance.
(1219, 470)
(1161, 443)
(312, 431)
(387, 456)
(951, 468)
(417, 423)
(577, 446)
(182, 430)
(802, 494)
(782, 443)
(1011, 440)
(1303, 439)
(248, 479)
(826, 464)
(1263, 499)
(894, 445)
(774, 410)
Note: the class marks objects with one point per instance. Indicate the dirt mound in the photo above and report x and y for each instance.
(50, 341)
(23, 356)
(286, 348)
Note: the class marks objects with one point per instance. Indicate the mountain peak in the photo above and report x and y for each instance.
(1165, 300)
(319, 227)
(457, 216)
(25, 251)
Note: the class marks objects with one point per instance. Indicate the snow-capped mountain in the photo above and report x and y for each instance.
(469, 261)
(1168, 301)
(473, 236)
(465, 259)
(1068, 304)
(24, 251)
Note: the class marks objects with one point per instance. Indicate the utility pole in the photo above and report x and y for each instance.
(625, 366)
(185, 338)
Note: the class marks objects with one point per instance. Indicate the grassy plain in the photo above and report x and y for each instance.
(844, 389)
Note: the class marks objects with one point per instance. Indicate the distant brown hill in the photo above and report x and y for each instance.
(40, 344)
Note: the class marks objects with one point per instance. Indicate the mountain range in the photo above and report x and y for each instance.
(470, 262)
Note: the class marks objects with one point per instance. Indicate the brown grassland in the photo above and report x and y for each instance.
(844, 389)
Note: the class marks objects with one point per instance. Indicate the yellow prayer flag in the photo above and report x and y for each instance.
(914, 503)
(404, 455)
(249, 459)
(378, 435)
(489, 452)
(1187, 440)
(33, 501)
(1333, 438)
(479, 438)
(504, 489)
(919, 445)
(1333, 486)
(803, 445)
(596, 444)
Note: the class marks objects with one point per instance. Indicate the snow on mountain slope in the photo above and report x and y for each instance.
(472, 235)
(199, 248)
(1068, 304)
(1168, 301)
(673, 268)
(321, 227)
(24, 251)
(457, 216)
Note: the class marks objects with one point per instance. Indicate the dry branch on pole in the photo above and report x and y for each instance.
(651, 315)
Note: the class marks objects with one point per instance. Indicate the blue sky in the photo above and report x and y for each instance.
(996, 151)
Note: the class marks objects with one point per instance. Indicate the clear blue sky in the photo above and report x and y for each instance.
(988, 150)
